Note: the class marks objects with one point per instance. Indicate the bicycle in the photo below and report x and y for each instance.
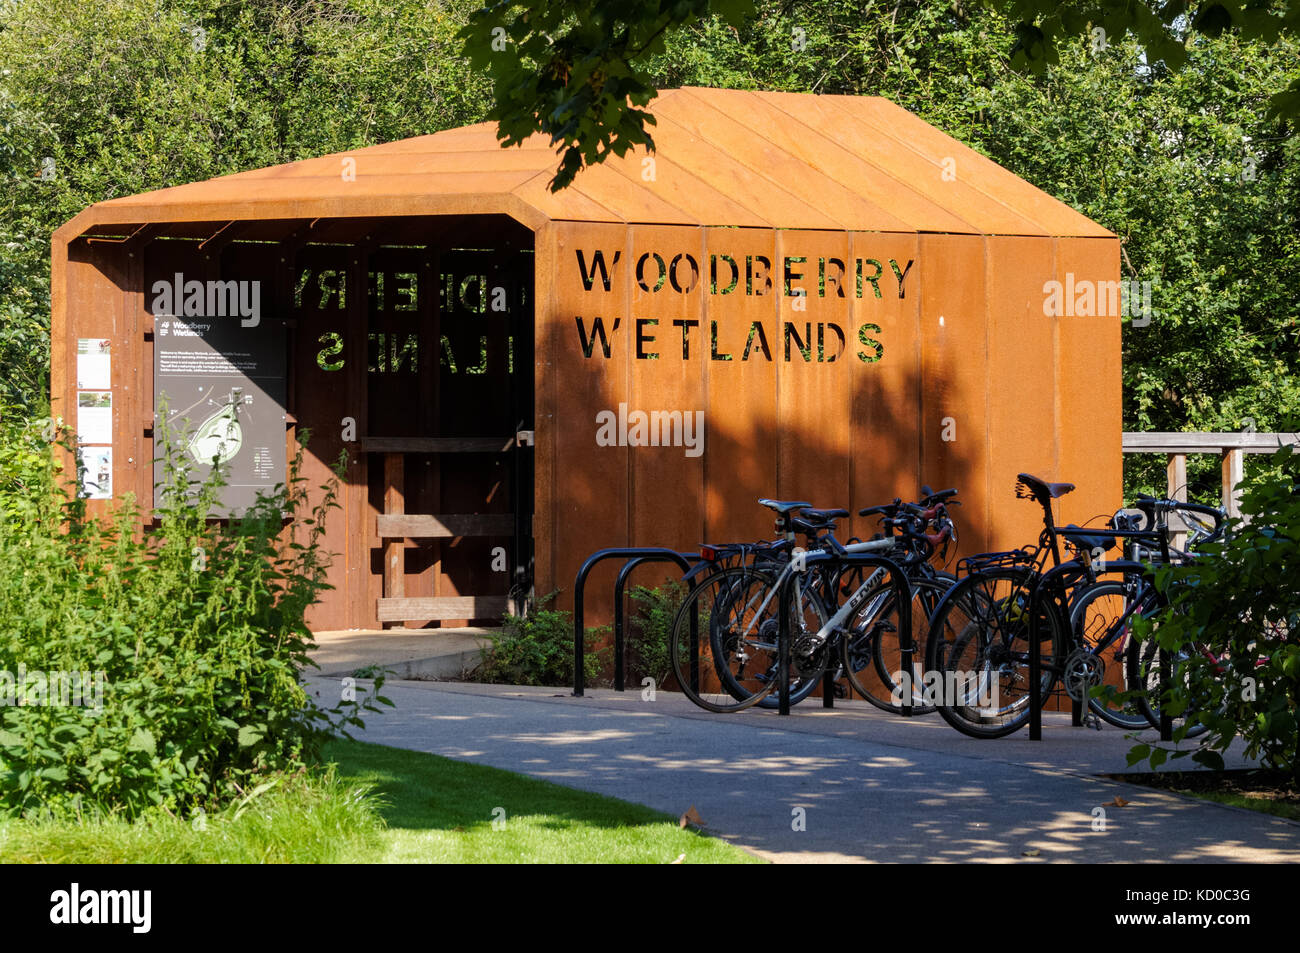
(1143, 680)
(735, 605)
(873, 635)
(979, 639)
(724, 642)
(873, 628)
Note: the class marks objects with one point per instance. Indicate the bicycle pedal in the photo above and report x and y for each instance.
(840, 691)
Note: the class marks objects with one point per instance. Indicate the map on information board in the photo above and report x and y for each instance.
(224, 385)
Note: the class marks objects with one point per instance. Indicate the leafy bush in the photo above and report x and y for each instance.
(650, 635)
(537, 649)
(1242, 603)
(189, 636)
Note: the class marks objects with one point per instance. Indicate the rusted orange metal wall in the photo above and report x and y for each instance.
(974, 384)
(966, 352)
(96, 292)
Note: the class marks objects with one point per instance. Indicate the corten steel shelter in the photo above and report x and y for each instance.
(853, 300)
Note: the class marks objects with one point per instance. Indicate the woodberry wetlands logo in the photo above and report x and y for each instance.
(794, 280)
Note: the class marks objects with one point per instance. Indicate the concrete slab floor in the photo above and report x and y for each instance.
(409, 653)
(848, 784)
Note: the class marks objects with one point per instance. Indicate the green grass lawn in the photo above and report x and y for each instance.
(383, 805)
(442, 810)
(1268, 792)
(1262, 805)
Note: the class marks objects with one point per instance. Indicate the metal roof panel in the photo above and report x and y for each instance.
(723, 157)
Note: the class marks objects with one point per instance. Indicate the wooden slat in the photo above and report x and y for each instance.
(356, 488)
(445, 525)
(1176, 470)
(1175, 442)
(1233, 471)
(446, 607)
(437, 444)
(394, 505)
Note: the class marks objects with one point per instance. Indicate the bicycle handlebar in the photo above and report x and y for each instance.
(1151, 506)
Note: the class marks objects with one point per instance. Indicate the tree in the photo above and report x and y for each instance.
(124, 96)
(1163, 30)
(1202, 188)
(577, 70)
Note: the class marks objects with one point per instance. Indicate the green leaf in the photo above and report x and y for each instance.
(143, 740)
(249, 735)
(1210, 759)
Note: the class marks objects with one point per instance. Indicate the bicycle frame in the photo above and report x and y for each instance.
(854, 554)
(798, 559)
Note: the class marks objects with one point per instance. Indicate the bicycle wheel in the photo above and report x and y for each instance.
(808, 657)
(735, 609)
(1101, 621)
(870, 649)
(1144, 673)
(927, 593)
(977, 653)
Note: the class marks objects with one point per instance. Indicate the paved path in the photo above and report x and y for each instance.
(872, 787)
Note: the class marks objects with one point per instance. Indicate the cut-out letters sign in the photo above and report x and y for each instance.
(801, 278)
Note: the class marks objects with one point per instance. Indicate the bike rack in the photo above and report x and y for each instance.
(619, 585)
(903, 589)
(1036, 649)
(634, 557)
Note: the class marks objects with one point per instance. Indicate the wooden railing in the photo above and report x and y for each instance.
(1230, 447)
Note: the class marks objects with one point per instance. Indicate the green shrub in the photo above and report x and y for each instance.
(191, 636)
(537, 649)
(1242, 602)
(650, 635)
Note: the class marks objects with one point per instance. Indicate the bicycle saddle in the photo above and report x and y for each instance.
(1040, 489)
(782, 506)
(887, 509)
(1084, 539)
(822, 516)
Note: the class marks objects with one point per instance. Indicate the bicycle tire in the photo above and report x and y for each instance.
(871, 646)
(1109, 600)
(806, 669)
(927, 593)
(726, 601)
(1144, 670)
(978, 646)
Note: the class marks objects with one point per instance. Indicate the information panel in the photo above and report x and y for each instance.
(224, 384)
